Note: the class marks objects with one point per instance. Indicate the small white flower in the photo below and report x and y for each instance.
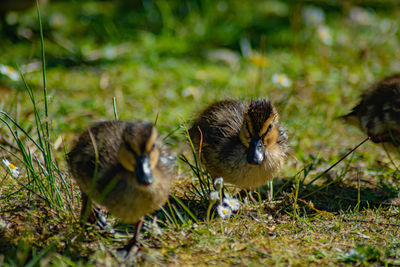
(313, 16)
(9, 72)
(224, 212)
(4, 225)
(219, 183)
(57, 20)
(281, 80)
(11, 18)
(386, 25)
(191, 91)
(232, 203)
(325, 34)
(361, 16)
(214, 196)
(13, 169)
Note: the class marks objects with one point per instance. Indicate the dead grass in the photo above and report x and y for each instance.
(331, 228)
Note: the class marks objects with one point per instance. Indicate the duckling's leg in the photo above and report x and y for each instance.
(90, 214)
(133, 242)
(252, 198)
(271, 190)
(86, 209)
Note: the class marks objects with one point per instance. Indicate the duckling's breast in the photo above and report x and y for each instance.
(251, 176)
(232, 165)
(129, 201)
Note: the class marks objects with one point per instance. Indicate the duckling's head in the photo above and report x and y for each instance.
(259, 131)
(138, 152)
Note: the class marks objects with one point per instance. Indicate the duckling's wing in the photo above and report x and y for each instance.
(96, 149)
(220, 120)
(166, 161)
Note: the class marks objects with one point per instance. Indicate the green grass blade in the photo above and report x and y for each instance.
(185, 208)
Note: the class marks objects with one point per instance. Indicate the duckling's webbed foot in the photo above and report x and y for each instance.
(92, 215)
(249, 195)
(99, 218)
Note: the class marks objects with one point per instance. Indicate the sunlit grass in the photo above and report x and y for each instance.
(44, 177)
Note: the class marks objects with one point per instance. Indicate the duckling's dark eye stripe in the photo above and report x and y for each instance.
(128, 146)
(247, 127)
(263, 136)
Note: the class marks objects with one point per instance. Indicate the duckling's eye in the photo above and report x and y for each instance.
(269, 128)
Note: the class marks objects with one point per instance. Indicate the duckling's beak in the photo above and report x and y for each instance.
(143, 172)
(255, 155)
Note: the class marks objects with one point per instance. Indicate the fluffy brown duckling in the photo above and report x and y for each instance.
(241, 141)
(378, 113)
(124, 167)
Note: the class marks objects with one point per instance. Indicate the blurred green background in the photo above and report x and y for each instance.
(174, 57)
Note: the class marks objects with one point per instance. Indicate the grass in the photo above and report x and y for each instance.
(164, 60)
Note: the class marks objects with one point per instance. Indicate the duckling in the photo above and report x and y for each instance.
(241, 141)
(124, 167)
(378, 113)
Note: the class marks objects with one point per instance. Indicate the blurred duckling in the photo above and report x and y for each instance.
(378, 113)
(124, 167)
(241, 141)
